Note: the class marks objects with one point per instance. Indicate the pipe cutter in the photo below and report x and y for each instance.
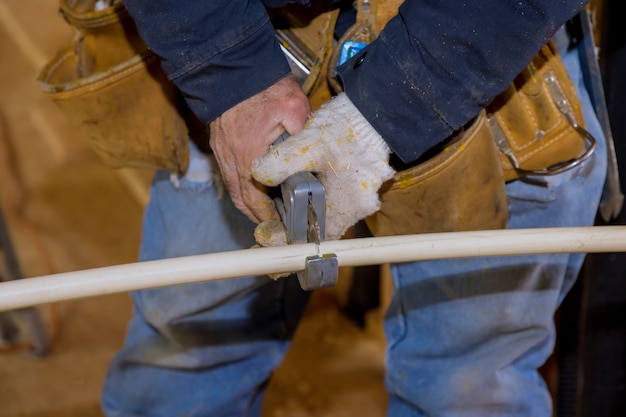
(302, 208)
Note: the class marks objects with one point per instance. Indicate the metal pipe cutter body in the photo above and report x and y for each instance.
(302, 209)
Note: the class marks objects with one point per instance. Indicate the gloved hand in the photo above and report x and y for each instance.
(272, 233)
(349, 157)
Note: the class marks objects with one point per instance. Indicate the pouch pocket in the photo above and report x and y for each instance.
(537, 122)
(461, 188)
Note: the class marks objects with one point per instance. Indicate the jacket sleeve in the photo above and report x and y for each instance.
(438, 63)
(217, 52)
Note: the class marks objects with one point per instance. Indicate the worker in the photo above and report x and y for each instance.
(465, 337)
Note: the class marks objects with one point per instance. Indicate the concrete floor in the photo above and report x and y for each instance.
(66, 212)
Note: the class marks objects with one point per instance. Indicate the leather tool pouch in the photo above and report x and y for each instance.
(112, 89)
(533, 128)
(461, 188)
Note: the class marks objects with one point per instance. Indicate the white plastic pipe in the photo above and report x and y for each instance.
(262, 261)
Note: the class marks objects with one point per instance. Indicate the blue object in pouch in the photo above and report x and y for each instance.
(350, 49)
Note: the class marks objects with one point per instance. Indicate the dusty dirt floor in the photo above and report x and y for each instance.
(66, 212)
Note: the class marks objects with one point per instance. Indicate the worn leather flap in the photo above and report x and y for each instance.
(461, 188)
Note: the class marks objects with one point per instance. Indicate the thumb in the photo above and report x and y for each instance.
(297, 153)
(271, 233)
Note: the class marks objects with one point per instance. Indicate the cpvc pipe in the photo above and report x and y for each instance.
(262, 261)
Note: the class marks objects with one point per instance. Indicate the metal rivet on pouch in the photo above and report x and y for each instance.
(359, 61)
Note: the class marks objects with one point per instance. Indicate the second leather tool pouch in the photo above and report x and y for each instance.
(537, 122)
(113, 91)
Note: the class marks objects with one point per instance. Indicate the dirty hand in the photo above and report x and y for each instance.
(349, 157)
(245, 132)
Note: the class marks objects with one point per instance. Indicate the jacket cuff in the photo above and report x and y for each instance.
(230, 77)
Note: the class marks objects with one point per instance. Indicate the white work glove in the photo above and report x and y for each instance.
(349, 158)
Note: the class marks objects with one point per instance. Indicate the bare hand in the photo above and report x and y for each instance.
(244, 133)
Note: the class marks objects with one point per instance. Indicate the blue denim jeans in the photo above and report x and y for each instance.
(465, 336)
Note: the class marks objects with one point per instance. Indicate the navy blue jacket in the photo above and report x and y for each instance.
(431, 70)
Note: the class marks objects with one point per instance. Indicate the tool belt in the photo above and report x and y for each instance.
(112, 90)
